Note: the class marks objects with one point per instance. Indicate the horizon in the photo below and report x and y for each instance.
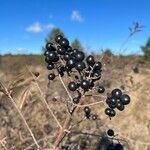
(98, 25)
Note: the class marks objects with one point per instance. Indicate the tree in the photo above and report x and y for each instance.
(146, 50)
(54, 32)
(76, 44)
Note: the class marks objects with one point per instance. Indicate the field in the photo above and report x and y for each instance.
(132, 125)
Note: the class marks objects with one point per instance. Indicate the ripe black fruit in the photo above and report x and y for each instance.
(80, 66)
(107, 111)
(119, 147)
(66, 56)
(46, 53)
(75, 50)
(125, 99)
(71, 63)
(87, 110)
(98, 65)
(120, 106)
(61, 50)
(79, 55)
(50, 66)
(110, 132)
(58, 38)
(64, 43)
(52, 56)
(51, 76)
(90, 60)
(96, 73)
(100, 89)
(69, 49)
(49, 47)
(116, 93)
(112, 103)
(94, 117)
(112, 113)
(72, 86)
(85, 84)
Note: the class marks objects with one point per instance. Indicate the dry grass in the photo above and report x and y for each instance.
(133, 124)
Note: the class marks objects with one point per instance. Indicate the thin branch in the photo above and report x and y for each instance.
(22, 117)
(44, 100)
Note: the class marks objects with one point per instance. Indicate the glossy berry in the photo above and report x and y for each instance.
(52, 56)
(66, 57)
(72, 86)
(98, 65)
(87, 110)
(50, 66)
(61, 50)
(107, 111)
(80, 66)
(96, 73)
(125, 99)
(94, 117)
(112, 103)
(79, 55)
(85, 84)
(47, 59)
(90, 60)
(49, 47)
(75, 51)
(46, 53)
(58, 38)
(76, 100)
(119, 147)
(69, 49)
(116, 93)
(100, 89)
(110, 112)
(110, 132)
(64, 43)
(71, 63)
(120, 106)
(51, 76)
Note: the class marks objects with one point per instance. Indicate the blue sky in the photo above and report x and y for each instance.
(99, 24)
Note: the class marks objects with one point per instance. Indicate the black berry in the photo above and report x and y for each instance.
(90, 60)
(125, 99)
(58, 38)
(110, 132)
(116, 93)
(100, 89)
(72, 86)
(64, 43)
(85, 84)
(51, 76)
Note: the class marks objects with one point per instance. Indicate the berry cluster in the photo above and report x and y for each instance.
(61, 58)
(116, 100)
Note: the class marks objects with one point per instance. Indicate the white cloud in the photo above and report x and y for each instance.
(76, 16)
(49, 26)
(38, 27)
(35, 28)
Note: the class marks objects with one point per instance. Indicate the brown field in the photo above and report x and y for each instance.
(132, 125)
